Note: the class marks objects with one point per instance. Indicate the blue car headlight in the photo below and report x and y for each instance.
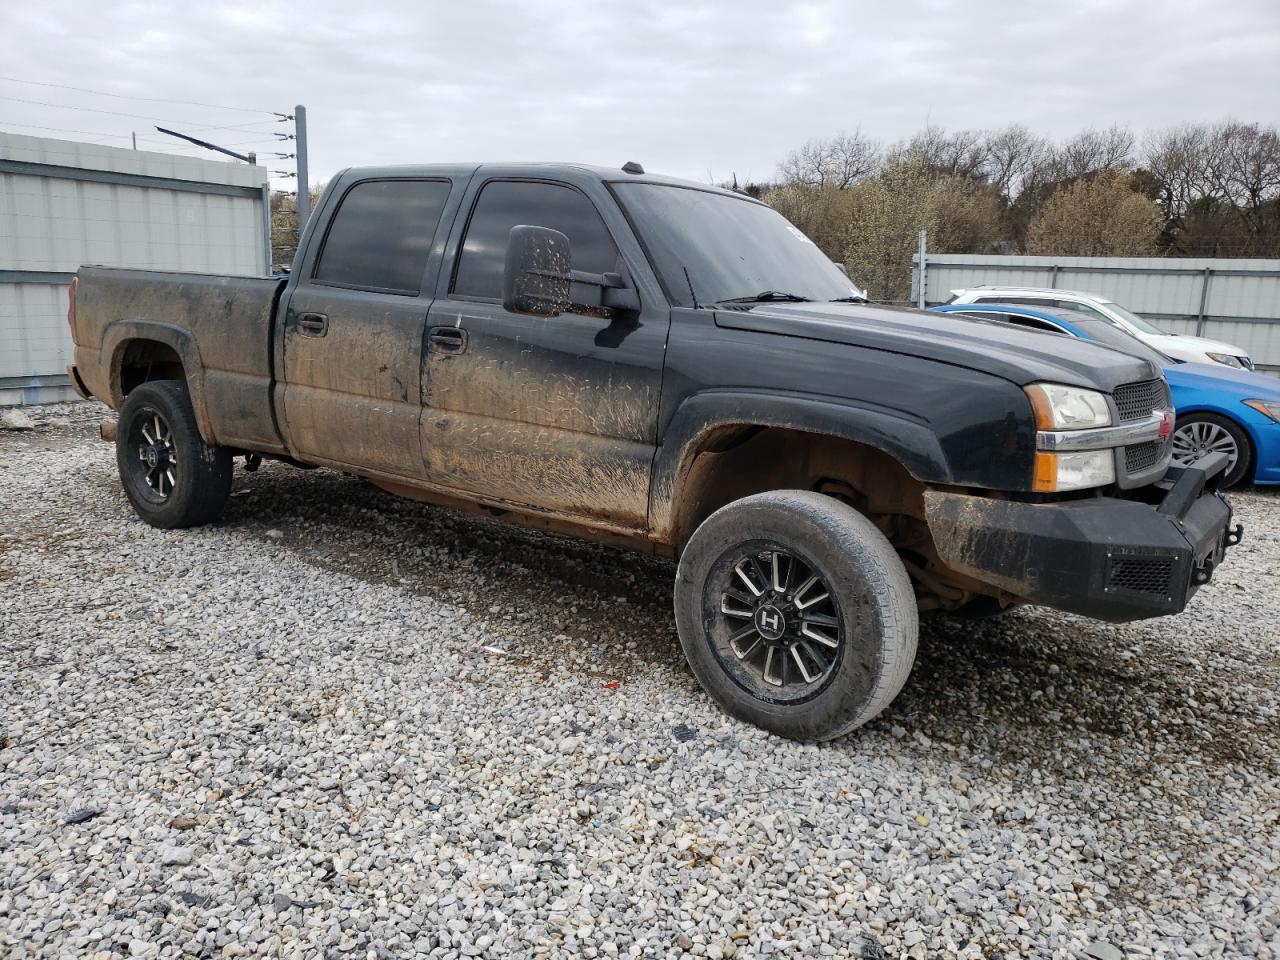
(1268, 408)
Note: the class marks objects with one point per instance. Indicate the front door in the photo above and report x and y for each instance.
(559, 413)
(353, 330)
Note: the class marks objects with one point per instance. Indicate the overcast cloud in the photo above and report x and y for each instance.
(686, 88)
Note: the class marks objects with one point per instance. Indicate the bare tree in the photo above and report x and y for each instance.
(1216, 188)
(838, 161)
(1014, 157)
(960, 154)
(1178, 158)
(1244, 168)
(1093, 150)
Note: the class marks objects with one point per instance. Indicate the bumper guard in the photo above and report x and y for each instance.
(1101, 557)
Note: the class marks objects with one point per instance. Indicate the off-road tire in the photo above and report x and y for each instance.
(867, 582)
(202, 475)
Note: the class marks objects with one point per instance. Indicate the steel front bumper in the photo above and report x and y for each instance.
(1102, 557)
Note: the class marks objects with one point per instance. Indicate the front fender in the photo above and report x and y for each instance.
(908, 440)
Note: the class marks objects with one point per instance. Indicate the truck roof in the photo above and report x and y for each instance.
(567, 171)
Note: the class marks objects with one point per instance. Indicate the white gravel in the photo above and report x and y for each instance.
(339, 724)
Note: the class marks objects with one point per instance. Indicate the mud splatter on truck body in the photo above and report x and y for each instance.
(624, 356)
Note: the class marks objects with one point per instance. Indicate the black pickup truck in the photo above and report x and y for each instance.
(668, 366)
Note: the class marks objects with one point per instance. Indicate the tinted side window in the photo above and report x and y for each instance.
(1035, 323)
(1087, 310)
(1017, 320)
(381, 235)
(504, 204)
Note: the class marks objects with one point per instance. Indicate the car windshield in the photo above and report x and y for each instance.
(1146, 326)
(1104, 331)
(727, 248)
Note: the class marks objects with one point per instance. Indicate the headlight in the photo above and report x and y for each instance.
(1268, 408)
(1226, 358)
(1057, 472)
(1059, 407)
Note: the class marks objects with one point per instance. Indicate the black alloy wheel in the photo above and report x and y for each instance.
(785, 633)
(157, 466)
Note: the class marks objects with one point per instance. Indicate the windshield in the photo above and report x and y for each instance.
(731, 247)
(1136, 321)
(1104, 331)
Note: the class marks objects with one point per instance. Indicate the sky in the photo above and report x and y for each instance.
(703, 90)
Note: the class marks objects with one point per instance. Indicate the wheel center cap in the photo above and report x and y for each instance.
(152, 459)
(769, 622)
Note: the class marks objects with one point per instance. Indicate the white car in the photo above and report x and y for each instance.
(1189, 349)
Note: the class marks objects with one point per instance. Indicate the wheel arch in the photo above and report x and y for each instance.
(144, 350)
(722, 446)
(1250, 436)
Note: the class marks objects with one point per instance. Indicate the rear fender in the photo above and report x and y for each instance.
(120, 333)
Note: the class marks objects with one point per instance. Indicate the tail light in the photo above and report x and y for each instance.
(71, 308)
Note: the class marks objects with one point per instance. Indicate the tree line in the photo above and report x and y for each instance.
(1210, 190)
(1206, 190)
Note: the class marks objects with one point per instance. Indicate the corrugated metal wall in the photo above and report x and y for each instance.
(1224, 299)
(63, 204)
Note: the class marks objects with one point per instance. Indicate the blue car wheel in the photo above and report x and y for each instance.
(1199, 434)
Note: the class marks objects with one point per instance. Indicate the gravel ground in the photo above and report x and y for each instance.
(337, 723)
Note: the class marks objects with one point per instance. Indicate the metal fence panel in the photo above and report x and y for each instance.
(1236, 300)
(63, 204)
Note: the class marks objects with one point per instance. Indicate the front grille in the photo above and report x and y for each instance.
(1148, 575)
(1136, 401)
(1142, 456)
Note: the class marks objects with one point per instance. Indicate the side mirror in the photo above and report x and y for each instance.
(535, 277)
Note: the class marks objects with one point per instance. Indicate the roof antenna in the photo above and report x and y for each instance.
(691, 293)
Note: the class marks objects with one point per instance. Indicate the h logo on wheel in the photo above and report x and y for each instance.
(771, 620)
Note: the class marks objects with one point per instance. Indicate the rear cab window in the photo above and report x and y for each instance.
(381, 236)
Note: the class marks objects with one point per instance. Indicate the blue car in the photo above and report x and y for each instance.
(1220, 409)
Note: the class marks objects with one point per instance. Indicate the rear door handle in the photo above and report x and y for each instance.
(312, 324)
(447, 339)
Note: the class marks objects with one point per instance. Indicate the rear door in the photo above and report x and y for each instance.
(353, 327)
(560, 412)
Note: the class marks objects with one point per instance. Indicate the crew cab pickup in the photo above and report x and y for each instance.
(673, 367)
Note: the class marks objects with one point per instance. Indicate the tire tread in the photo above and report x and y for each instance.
(852, 534)
(208, 468)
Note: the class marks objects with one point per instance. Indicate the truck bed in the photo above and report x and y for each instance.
(219, 327)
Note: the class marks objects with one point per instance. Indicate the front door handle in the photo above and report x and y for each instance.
(447, 339)
(313, 324)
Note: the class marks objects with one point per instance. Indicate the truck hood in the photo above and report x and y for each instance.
(1019, 355)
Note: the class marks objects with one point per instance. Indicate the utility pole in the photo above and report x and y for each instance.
(304, 184)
